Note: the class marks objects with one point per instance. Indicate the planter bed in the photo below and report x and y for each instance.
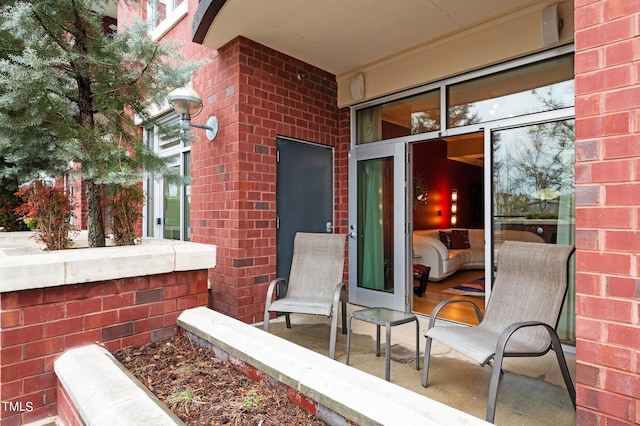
(204, 390)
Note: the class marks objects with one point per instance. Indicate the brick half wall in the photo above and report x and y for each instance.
(38, 325)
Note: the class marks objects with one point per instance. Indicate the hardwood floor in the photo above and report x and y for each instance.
(459, 312)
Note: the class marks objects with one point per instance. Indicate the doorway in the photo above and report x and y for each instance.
(304, 195)
(447, 197)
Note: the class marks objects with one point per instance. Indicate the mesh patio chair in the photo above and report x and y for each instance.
(315, 283)
(521, 317)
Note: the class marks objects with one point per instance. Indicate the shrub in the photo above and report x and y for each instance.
(51, 209)
(126, 208)
(9, 220)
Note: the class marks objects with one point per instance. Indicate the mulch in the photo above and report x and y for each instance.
(203, 390)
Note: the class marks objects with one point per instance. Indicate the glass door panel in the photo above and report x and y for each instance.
(171, 201)
(375, 221)
(534, 193)
(377, 269)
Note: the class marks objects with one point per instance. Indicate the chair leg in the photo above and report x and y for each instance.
(287, 319)
(496, 372)
(344, 316)
(349, 340)
(425, 367)
(267, 317)
(334, 332)
(562, 362)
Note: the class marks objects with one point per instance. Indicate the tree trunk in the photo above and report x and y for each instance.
(95, 220)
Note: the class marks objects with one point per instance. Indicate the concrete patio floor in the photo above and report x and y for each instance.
(531, 391)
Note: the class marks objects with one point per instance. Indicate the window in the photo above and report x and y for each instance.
(539, 87)
(160, 9)
(162, 15)
(169, 197)
(408, 116)
(534, 192)
(546, 85)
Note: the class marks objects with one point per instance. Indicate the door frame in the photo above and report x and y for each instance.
(401, 297)
(284, 247)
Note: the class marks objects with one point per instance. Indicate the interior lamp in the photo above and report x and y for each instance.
(454, 207)
(186, 102)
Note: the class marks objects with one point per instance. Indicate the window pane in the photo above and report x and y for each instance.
(534, 193)
(187, 196)
(543, 86)
(375, 224)
(409, 116)
(172, 202)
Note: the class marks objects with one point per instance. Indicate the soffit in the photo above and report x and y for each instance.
(339, 36)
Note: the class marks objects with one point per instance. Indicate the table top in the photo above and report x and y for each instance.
(384, 316)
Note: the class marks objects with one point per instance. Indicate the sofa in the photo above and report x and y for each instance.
(447, 251)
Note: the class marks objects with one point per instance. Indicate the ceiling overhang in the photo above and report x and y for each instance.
(342, 36)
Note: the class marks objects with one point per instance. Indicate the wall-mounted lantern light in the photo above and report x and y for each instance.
(454, 207)
(186, 102)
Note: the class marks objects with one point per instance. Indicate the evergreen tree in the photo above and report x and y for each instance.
(69, 92)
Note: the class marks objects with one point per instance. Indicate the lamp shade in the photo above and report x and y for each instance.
(185, 101)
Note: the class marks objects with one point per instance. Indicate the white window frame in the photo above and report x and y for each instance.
(174, 15)
(153, 185)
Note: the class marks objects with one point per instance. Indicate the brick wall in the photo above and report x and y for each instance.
(607, 211)
(257, 94)
(38, 325)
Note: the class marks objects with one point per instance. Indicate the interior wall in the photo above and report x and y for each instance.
(439, 175)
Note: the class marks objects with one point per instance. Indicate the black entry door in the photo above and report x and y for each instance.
(304, 195)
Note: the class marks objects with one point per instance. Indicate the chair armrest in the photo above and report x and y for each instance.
(340, 293)
(272, 286)
(508, 332)
(439, 306)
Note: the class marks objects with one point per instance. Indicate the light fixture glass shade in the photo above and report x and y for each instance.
(185, 101)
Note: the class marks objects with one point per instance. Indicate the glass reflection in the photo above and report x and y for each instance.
(534, 193)
(409, 116)
(544, 86)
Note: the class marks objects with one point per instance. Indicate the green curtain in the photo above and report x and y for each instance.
(370, 223)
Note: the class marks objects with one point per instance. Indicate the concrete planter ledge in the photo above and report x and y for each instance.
(105, 393)
(25, 266)
(346, 391)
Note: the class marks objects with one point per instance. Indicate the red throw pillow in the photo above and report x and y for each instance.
(460, 239)
(445, 237)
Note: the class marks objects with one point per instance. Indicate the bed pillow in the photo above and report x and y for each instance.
(460, 239)
(445, 237)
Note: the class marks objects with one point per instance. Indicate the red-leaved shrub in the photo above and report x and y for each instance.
(52, 208)
(126, 209)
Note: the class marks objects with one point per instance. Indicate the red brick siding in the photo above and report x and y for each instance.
(607, 212)
(257, 94)
(67, 412)
(38, 325)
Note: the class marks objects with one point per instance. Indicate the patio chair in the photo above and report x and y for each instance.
(315, 283)
(521, 316)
